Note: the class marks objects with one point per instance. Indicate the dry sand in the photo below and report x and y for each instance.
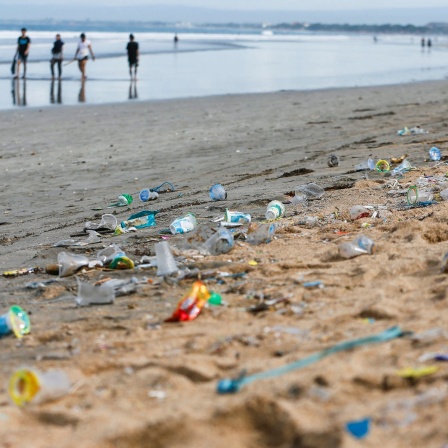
(57, 164)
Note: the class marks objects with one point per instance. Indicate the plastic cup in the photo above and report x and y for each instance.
(416, 195)
(435, 154)
(184, 224)
(147, 195)
(15, 321)
(237, 217)
(166, 264)
(217, 193)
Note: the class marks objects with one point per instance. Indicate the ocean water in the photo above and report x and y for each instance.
(214, 64)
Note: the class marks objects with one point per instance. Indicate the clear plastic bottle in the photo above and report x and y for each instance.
(275, 210)
(166, 264)
(359, 246)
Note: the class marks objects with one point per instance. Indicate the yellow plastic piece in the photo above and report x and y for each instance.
(410, 372)
(23, 386)
(382, 166)
(252, 263)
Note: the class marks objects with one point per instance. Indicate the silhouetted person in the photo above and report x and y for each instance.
(82, 54)
(429, 44)
(375, 39)
(23, 49)
(57, 55)
(133, 55)
(59, 93)
(176, 40)
(423, 42)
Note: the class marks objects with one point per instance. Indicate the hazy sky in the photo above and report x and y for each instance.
(256, 4)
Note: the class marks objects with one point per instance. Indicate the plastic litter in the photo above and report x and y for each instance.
(166, 265)
(333, 160)
(228, 386)
(435, 154)
(70, 263)
(108, 222)
(260, 233)
(217, 193)
(417, 373)
(367, 165)
(184, 224)
(94, 295)
(306, 192)
(358, 212)
(237, 217)
(146, 195)
(191, 304)
(359, 246)
(15, 321)
(309, 222)
(94, 237)
(413, 131)
(404, 167)
(220, 242)
(275, 210)
(123, 201)
(359, 429)
(418, 195)
(382, 166)
(140, 220)
(444, 194)
(109, 253)
(31, 386)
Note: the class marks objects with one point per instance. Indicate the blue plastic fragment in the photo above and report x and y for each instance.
(227, 386)
(441, 357)
(358, 428)
(315, 284)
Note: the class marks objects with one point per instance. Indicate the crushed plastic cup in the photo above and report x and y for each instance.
(435, 154)
(418, 195)
(237, 217)
(359, 246)
(70, 263)
(166, 264)
(30, 386)
(382, 166)
(94, 295)
(275, 210)
(184, 224)
(332, 160)
(147, 195)
(15, 321)
(260, 233)
(367, 165)
(94, 237)
(402, 168)
(217, 193)
(191, 304)
(108, 222)
(220, 242)
(109, 253)
(444, 194)
(140, 220)
(306, 192)
(358, 212)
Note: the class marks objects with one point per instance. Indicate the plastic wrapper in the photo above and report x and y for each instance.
(31, 386)
(70, 263)
(166, 264)
(94, 295)
(145, 218)
(191, 304)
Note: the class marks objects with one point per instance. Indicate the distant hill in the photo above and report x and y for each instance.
(167, 13)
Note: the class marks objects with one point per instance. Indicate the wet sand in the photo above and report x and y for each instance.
(59, 164)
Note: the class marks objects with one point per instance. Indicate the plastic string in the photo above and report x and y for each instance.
(157, 189)
(228, 386)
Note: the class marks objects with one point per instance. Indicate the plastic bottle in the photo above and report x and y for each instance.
(184, 224)
(166, 264)
(402, 168)
(275, 210)
(94, 295)
(15, 321)
(333, 160)
(359, 246)
(140, 220)
(147, 195)
(358, 212)
(367, 165)
(31, 386)
(217, 193)
(237, 217)
(70, 263)
(219, 243)
(260, 233)
(435, 154)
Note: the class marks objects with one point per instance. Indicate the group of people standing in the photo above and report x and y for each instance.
(83, 50)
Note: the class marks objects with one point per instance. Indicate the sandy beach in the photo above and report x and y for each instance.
(140, 382)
